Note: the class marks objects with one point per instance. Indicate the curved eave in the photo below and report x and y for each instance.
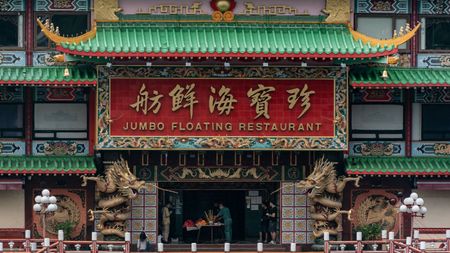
(48, 172)
(408, 174)
(224, 55)
(397, 85)
(55, 83)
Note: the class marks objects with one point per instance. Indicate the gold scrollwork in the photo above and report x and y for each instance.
(167, 9)
(252, 9)
(442, 149)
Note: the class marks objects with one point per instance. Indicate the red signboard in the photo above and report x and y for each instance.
(222, 107)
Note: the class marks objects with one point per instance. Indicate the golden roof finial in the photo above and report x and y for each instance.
(53, 34)
(396, 41)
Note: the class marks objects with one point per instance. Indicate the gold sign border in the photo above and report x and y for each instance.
(104, 141)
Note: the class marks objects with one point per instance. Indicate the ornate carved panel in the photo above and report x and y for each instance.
(432, 96)
(10, 58)
(11, 94)
(44, 94)
(377, 96)
(61, 5)
(107, 141)
(441, 148)
(434, 7)
(383, 6)
(377, 149)
(16, 148)
(433, 60)
(71, 209)
(296, 223)
(61, 148)
(376, 206)
(12, 5)
(208, 174)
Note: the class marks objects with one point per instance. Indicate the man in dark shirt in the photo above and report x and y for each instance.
(263, 232)
(272, 228)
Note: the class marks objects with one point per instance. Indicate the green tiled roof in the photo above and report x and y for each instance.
(47, 165)
(49, 75)
(166, 39)
(400, 77)
(410, 166)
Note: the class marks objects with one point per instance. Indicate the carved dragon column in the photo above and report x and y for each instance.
(325, 190)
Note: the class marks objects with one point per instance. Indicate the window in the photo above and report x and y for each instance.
(437, 36)
(375, 122)
(11, 120)
(60, 121)
(69, 24)
(11, 30)
(435, 122)
(381, 27)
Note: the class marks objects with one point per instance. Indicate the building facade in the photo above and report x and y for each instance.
(223, 101)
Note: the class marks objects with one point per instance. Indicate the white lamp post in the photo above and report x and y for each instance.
(44, 204)
(413, 205)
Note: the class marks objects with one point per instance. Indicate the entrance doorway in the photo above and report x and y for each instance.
(194, 200)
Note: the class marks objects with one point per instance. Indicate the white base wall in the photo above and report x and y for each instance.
(12, 211)
(438, 215)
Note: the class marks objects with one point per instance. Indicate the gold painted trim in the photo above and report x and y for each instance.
(391, 42)
(57, 39)
(310, 143)
(214, 22)
(227, 136)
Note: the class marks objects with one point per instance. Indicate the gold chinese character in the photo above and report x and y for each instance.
(296, 95)
(142, 101)
(188, 98)
(260, 97)
(224, 104)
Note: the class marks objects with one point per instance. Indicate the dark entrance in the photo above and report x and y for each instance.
(198, 201)
(194, 199)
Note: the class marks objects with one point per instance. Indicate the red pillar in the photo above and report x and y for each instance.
(29, 28)
(29, 45)
(415, 41)
(92, 120)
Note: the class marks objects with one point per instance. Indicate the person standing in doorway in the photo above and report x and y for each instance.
(272, 228)
(166, 212)
(225, 214)
(263, 232)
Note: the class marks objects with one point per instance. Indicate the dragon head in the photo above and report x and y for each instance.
(127, 183)
(316, 182)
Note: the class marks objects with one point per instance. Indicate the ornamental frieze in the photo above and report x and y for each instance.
(431, 149)
(222, 108)
(259, 174)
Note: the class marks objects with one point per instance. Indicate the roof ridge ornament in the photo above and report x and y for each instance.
(223, 10)
(397, 40)
(338, 11)
(53, 34)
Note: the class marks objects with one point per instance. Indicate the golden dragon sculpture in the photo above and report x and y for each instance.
(114, 191)
(325, 189)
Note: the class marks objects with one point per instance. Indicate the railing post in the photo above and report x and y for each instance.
(408, 244)
(384, 235)
(27, 240)
(326, 242)
(391, 242)
(259, 247)
(61, 241)
(127, 242)
(94, 242)
(1, 247)
(359, 244)
(160, 247)
(423, 246)
(447, 237)
(46, 244)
